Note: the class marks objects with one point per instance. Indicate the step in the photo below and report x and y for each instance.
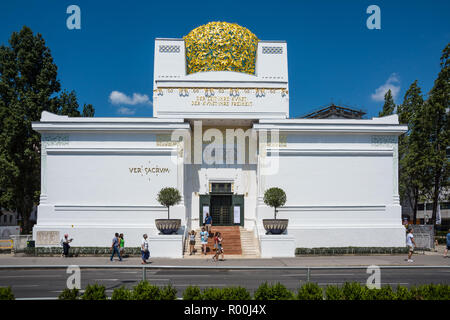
(237, 242)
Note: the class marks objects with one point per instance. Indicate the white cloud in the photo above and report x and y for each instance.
(119, 98)
(126, 111)
(392, 83)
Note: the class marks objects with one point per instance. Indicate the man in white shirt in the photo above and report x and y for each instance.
(144, 249)
(411, 244)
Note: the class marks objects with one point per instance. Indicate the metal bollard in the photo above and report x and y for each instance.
(308, 274)
(144, 274)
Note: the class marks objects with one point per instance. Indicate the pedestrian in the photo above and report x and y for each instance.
(121, 245)
(204, 239)
(115, 247)
(192, 242)
(208, 223)
(65, 243)
(219, 250)
(410, 243)
(447, 247)
(215, 240)
(145, 252)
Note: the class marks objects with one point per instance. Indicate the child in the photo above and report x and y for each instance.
(192, 242)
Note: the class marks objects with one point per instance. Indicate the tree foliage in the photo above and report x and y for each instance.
(389, 105)
(438, 131)
(169, 197)
(275, 197)
(424, 170)
(412, 149)
(28, 86)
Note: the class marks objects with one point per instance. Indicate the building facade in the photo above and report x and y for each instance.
(221, 134)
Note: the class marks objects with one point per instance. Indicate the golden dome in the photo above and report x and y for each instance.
(221, 46)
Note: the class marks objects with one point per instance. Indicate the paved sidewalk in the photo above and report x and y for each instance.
(310, 261)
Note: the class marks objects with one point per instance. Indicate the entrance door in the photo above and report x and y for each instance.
(221, 210)
(226, 209)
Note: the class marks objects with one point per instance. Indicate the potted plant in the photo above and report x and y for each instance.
(275, 197)
(168, 197)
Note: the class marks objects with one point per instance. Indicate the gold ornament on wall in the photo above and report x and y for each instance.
(221, 46)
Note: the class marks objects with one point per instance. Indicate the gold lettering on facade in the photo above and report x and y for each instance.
(215, 101)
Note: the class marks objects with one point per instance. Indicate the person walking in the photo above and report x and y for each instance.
(145, 252)
(115, 247)
(219, 250)
(192, 242)
(208, 223)
(204, 239)
(121, 245)
(65, 243)
(411, 244)
(447, 247)
(216, 235)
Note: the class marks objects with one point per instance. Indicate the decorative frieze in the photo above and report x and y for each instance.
(272, 50)
(385, 141)
(55, 139)
(169, 49)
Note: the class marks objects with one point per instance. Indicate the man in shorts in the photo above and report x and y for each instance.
(208, 223)
(411, 244)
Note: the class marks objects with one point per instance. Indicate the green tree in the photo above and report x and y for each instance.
(88, 110)
(275, 197)
(389, 104)
(28, 86)
(437, 120)
(412, 148)
(169, 197)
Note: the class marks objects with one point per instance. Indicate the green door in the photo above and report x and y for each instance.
(204, 207)
(238, 210)
(225, 209)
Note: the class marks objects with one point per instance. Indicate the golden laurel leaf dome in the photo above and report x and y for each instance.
(221, 46)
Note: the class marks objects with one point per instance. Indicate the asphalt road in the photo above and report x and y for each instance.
(49, 283)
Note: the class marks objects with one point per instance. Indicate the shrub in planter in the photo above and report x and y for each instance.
(236, 293)
(121, 293)
(146, 291)
(94, 292)
(168, 293)
(310, 291)
(192, 293)
(6, 294)
(168, 197)
(273, 292)
(69, 294)
(334, 293)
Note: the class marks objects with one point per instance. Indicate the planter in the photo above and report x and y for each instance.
(168, 226)
(275, 226)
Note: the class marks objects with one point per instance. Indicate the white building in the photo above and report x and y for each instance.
(102, 175)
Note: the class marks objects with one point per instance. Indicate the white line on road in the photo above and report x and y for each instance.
(106, 279)
(24, 285)
(31, 275)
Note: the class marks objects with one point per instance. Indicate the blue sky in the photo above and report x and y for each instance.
(332, 55)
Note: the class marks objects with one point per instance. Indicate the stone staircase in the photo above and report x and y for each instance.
(236, 242)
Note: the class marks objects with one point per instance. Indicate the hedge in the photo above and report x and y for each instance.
(351, 250)
(266, 291)
(79, 251)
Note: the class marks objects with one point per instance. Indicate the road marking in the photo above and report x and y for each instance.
(28, 276)
(383, 283)
(24, 285)
(106, 279)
